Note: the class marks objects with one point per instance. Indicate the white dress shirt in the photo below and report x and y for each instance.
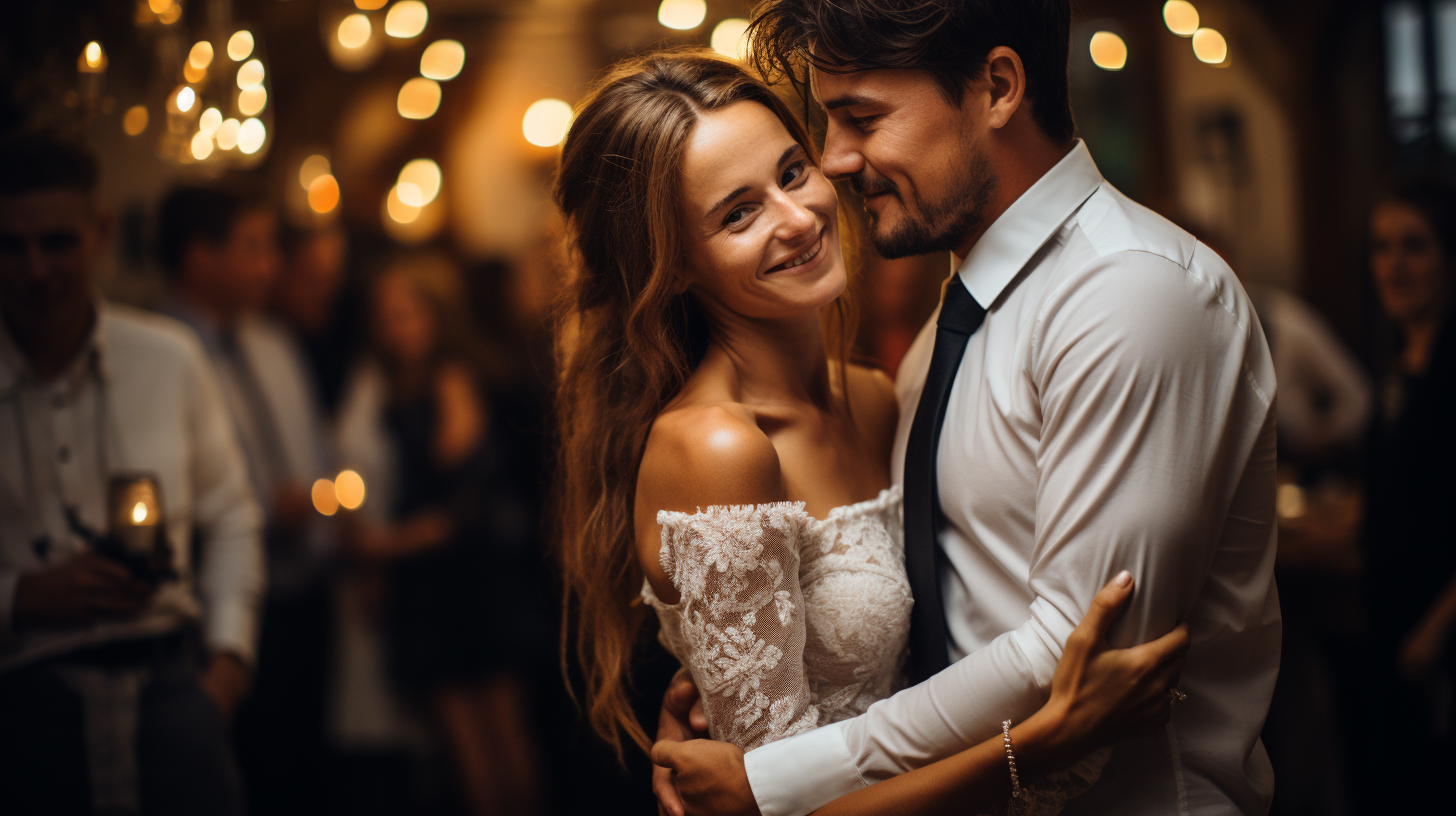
(142, 389)
(1115, 411)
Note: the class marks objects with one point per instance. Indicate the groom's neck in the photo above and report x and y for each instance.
(1021, 154)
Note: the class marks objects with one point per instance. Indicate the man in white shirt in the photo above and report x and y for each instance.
(108, 702)
(1115, 410)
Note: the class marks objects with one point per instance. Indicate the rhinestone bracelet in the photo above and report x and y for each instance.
(1016, 790)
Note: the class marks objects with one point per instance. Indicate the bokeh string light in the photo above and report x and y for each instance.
(682, 15)
(1109, 51)
(1210, 46)
(442, 60)
(424, 175)
(240, 45)
(406, 19)
(419, 98)
(135, 120)
(1181, 17)
(354, 31)
(546, 122)
(730, 38)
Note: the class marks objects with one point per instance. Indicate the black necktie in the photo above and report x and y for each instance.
(960, 316)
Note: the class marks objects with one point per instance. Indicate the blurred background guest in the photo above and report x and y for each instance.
(219, 247)
(464, 618)
(312, 299)
(1408, 539)
(116, 674)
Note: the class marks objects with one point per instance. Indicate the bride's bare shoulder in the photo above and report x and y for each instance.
(707, 454)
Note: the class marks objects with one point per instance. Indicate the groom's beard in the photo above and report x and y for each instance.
(938, 226)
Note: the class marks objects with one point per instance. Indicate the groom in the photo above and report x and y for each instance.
(1095, 394)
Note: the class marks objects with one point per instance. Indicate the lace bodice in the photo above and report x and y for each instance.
(788, 622)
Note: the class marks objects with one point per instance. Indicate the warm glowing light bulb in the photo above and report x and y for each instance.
(370, 5)
(250, 75)
(324, 499)
(442, 60)
(185, 98)
(1181, 17)
(313, 167)
(210, 121)
(354, 30)
(1289, 501)
(398, 209)
(139, 513)
(201, 55)
(419, 98)
(192, 73)
(160, 6)
(323, 197)
(240, 45)
(201, 146)
(1108, 51)
(251, 135)
(349, 489)
(135, 120)
(729, 38)
(93, 54)
(423, 175)
(252, 101)
(682, 14)
(406, 19)
(546, 122)
(410, 194)
(227, 134)
(1209, 46)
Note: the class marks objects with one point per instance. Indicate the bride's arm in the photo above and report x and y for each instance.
(1099, 695)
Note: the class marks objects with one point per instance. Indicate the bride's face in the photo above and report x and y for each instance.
(762, 236)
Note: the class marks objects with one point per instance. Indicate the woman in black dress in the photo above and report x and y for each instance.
(463, 606)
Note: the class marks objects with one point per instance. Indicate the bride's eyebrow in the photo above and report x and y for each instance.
(728, 199)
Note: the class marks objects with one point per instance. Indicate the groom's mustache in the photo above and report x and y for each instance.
(867, 186)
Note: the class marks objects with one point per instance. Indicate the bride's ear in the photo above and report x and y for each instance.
(680, 282)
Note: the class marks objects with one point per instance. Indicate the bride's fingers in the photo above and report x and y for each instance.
(1103, 611)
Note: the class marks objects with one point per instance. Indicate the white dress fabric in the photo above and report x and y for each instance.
(788, 622)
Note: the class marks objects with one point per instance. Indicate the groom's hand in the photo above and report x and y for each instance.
(681, 719)
(709, 776)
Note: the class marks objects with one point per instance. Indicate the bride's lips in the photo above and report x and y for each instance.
(804, 261)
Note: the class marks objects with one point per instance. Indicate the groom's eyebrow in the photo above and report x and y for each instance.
(844, 101)
(728, 199)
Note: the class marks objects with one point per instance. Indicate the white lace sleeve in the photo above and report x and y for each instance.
(739, 623)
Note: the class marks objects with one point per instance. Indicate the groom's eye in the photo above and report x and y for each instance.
(860, 122)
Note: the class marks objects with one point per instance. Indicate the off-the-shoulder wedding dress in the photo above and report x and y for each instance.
(788, 622)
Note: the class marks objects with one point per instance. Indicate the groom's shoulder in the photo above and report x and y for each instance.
(1114, 224)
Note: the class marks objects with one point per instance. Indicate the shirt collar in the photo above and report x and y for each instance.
(1028, 223)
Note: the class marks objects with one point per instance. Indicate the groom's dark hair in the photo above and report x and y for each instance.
(948, 39)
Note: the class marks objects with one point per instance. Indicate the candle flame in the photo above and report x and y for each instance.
(139, 513)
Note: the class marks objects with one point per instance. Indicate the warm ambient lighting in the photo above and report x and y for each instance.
(1289, 501)
(252, 101)
(406, 19)
(1181, 17)
(93, 58)
(251, 135)
(546, 122)
(419, 98)
(201, 146)
(1108, 51)
(313, 167)
(185, 98)
(682, 14)
(135, 120)
(349, 489)
(323, 197)
(210, 121)
(240, 45)
(227, 134)
(192, 73)
(139, 513)
(324, 499)
(201, 55)
(370, 5)
(251, 74)
(442, 60)
(728, 38)
(1209, 46)
(410, 194)
(354, 30)
(398, 209)
(424, 176)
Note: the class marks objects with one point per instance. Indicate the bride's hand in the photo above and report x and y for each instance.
(1101, 695)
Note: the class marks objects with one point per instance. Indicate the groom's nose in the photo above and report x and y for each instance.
(841, 154)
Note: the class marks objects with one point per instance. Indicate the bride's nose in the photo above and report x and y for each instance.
(794, 220)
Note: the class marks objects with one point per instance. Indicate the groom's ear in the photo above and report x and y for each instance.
(1007, 79)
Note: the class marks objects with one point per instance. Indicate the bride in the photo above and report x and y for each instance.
(723, 461)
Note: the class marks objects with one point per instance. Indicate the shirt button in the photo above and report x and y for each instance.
(64, 454)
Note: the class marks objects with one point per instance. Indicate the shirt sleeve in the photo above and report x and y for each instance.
(230, 573)
(1153, 382)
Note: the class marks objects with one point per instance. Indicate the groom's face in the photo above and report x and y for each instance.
(917, 159)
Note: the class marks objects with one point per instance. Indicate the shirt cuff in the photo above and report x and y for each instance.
(798, 775)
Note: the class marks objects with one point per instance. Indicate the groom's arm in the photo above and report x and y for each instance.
(1149, 380)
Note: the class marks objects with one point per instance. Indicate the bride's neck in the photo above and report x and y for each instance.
(772, 362)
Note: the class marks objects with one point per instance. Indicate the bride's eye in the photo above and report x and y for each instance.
(735, 217)
(794, 172)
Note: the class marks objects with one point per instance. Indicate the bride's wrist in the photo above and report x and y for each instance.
(1040, 741)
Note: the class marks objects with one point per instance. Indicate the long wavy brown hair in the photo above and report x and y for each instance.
(629, 340)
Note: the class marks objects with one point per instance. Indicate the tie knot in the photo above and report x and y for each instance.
(959, 312)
